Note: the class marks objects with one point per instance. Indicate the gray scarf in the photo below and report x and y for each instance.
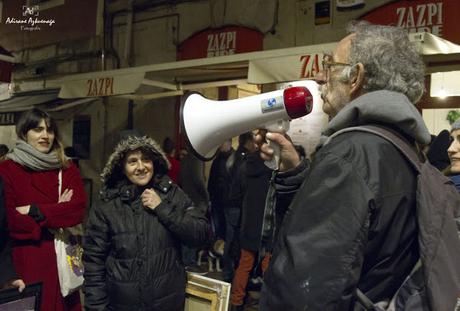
(28, 156)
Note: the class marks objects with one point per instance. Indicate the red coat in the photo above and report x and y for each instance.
(173, 172)
(34, 256)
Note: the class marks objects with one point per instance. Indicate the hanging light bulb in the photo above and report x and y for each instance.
(442, 92)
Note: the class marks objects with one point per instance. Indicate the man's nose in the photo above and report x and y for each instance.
(320, 77)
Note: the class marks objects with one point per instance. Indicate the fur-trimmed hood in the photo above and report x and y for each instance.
(112, 174)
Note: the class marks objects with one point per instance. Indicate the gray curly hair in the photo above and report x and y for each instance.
(390, 60)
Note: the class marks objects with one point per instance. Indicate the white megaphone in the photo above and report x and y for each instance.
(208, 123)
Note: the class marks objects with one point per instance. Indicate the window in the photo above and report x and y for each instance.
(81, 138)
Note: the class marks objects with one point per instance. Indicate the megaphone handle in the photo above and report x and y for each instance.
(279, 126)
(274, 162)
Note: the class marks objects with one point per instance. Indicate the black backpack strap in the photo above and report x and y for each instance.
(397, 141)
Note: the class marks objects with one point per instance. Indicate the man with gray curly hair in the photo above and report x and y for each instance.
(351, 222)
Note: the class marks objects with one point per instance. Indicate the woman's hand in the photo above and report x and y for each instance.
(15, 283)
(150, 199)
(23, 210)
(66, 196)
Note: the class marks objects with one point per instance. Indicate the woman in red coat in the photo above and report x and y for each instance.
(33, 205)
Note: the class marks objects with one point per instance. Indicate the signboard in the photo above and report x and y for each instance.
(100, 84)
(439, 17)
(219, 42)
(298, 66)
(288, 68)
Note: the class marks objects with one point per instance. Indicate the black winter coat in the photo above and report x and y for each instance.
(132, 254)
(192, 181)
(250, 188)
(219, 181)
(351, 224)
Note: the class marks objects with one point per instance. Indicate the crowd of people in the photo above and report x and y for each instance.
(318, 230)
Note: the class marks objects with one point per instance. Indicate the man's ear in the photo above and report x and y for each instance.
(357, 80)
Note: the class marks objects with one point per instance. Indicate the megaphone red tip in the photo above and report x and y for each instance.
(298, 101)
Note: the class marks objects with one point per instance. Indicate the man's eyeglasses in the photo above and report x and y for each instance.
(328, 63)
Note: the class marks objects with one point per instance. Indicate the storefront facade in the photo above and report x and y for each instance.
(128, 69)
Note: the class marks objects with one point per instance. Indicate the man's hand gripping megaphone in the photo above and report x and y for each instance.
(277, 147)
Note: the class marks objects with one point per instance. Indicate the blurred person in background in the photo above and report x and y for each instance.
(250, 187)
(219, 188)
(169, 147)
(246, 146)
(437, 150)
(192, 181)
(454, 154)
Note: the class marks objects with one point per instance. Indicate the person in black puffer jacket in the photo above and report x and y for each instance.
(133, 237)
(453, 171)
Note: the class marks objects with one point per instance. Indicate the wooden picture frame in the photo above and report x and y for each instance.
(206, 294)
(28, 300)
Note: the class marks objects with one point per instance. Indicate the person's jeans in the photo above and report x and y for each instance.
(231, 248)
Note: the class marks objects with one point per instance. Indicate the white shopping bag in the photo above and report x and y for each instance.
(69, 261)
(69, 252)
